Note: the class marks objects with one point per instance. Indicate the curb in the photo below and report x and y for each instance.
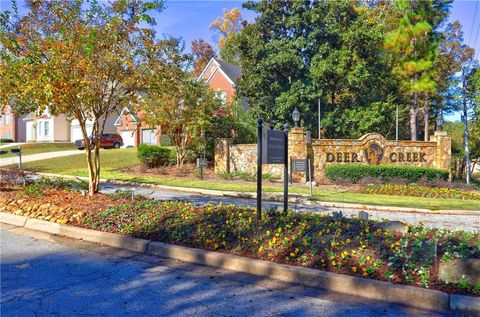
(357, 286)
(273, 197)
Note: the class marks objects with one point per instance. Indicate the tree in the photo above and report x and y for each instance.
(203, 53)
(79, 58)
(173, 100)
(227, 29)
(297, 52)
(412, 45)
(448, 63)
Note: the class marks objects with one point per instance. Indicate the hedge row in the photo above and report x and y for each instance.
(385, 172)
(154, 156)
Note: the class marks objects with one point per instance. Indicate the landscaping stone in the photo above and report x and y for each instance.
(392, 226)
(454, 270)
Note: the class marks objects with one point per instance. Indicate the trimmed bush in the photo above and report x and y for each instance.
(154, 156)
(385, 172)
(6, 141)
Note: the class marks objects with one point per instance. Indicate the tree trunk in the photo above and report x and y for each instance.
(413, 123)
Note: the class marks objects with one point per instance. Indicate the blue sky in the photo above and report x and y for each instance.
(190, 19)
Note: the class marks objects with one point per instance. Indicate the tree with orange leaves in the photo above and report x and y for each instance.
(78, 58)
(227, 29)
(202, 52)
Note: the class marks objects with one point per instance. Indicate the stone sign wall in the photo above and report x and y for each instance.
(374, 149)
(240, 158)
(370, 149)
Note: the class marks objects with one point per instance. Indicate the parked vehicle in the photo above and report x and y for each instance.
(107, 141)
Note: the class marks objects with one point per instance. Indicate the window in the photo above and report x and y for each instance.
(1, 121)
(40, 128)
(222, 95)
(149, 136)
(6, 135)
(8, 119)
(46, 128)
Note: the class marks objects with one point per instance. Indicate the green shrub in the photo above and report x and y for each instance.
(61, 183)
(154, 156)
(385, 172)
(34, 189)
(6, 141)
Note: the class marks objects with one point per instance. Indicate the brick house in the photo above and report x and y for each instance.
(133, 132)
(12, 126)
(221, 77)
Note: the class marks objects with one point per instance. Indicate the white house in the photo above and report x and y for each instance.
(48, 128)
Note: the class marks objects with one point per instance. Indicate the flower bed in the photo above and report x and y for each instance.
(422, 191)
(332, 243)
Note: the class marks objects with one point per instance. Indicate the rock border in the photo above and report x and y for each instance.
(345, 284)
(273, 197)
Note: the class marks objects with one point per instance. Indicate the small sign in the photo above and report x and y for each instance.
(300, 165)
(202, 162)
(273, 147)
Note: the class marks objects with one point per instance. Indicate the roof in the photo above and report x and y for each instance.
(232, 72)
(29, 117)
(132, 114)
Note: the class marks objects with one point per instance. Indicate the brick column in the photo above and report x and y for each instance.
(222, 155)
(444, 150)
(297, 149)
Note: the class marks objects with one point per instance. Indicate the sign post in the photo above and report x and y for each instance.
(259, 169)
(303, 166)
(285, 170)
(272, 148)
(201, 164)
(19, 153)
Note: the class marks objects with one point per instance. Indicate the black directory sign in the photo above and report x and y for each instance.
(273, 147)
(299, 165)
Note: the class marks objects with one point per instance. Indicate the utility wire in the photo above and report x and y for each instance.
(473, 23)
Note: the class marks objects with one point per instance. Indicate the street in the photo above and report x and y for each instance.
(464, 222)
(44, 275)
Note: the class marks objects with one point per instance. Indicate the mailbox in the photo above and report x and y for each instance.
(202, 162)
(16, 151)
(3, 152)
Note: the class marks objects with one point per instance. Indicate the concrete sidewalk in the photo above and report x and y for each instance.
(37, 157)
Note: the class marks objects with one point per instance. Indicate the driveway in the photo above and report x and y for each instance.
(467, 221)
(45, 275)
(37, 157)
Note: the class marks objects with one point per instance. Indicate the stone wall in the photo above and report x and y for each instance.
(370, 149)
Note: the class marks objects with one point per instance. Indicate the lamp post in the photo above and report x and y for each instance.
(439, 122)
(296, 117)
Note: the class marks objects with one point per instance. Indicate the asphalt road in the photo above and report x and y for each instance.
(466, 222)
(45, 275)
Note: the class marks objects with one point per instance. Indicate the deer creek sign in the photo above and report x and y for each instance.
(374, 149)
(374, 154)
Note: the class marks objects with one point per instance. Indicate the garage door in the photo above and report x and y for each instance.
(149, 136)
(76, 134)
(128, 138)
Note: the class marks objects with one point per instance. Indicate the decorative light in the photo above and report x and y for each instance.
(439, 122)
(296, 116)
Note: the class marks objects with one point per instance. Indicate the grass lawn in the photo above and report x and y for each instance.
(114, 160)
(35, 148)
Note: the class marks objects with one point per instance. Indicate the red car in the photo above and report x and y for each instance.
(107, 141)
